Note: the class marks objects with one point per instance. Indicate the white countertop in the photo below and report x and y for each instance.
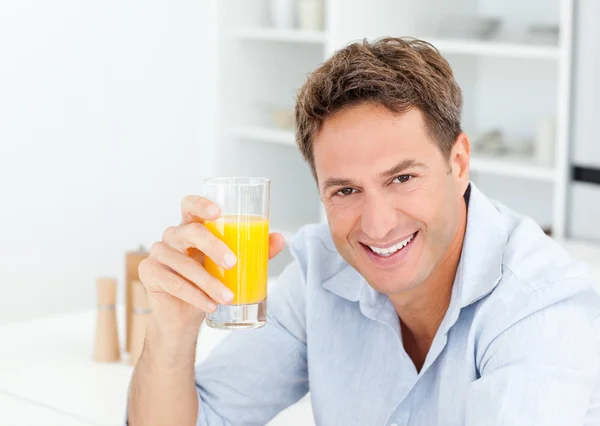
(48, 377)
(14, 411)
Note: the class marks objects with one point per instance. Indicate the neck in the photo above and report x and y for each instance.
(422, 309)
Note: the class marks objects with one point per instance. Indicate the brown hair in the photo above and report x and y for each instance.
(398, 73)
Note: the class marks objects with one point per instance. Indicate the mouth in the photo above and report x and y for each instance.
(393, 251)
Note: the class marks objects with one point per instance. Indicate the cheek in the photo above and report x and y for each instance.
(342, 221)
(421, 206)
(442, 220)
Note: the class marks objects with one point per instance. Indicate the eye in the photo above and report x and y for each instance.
(345, 192)
(403, 178)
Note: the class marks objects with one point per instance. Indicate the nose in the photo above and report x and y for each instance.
(378, 217)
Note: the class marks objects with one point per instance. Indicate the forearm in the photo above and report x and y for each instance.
(163, 390)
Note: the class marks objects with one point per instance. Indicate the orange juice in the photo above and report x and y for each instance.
(247, 237)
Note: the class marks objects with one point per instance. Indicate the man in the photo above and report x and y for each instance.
(421, 302)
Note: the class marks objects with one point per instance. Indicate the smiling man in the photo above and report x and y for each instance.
(396, 211)
(421, 301)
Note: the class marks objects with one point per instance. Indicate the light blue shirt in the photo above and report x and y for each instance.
(518, 345)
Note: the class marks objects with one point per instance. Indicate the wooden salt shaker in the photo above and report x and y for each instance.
(140, 316)
(132, 262)
(107, 338)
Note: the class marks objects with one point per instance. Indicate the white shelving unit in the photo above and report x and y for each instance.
(272, 34)
(499, 49)
(508, 84)
(265, 134)
(515, 168)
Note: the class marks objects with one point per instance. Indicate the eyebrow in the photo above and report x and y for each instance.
(396, 170)
(335, 182)
(402, 166)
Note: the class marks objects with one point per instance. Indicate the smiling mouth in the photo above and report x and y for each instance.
(391, 250)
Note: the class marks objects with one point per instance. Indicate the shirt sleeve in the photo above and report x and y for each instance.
(254, 374)
(540, 362)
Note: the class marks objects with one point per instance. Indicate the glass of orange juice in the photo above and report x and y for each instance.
(244, 226)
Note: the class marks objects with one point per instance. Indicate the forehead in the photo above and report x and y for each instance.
(369, 137)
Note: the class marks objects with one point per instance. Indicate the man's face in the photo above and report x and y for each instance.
(392, 199)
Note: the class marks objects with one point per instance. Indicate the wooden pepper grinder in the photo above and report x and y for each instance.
(107, 338)
(140, 316)
(132, 262)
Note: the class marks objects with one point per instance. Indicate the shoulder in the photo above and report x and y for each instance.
(539, 282)
(532, 261)
(536, 267)
(536, 259)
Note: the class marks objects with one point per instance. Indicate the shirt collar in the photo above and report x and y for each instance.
(486, 237)
(478, 273)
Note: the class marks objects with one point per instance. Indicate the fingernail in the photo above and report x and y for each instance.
(227, 295)
(229, 260)
(211, 306)
(212, 210)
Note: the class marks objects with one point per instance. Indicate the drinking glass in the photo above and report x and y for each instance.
(244, 226)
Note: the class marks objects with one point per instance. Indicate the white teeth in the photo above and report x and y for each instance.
(387, 251)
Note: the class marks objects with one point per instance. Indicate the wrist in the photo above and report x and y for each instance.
(170, 349)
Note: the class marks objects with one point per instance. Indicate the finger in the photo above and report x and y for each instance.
(196, 254)
(191, 271)
(195, 208)
(276, 244)
(155, 276)
(195, 235)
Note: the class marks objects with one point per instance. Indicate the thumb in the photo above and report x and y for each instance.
(276, 244)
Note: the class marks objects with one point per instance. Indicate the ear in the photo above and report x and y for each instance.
(459, 161)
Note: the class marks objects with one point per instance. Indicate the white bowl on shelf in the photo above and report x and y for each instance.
(468, 26)
(283, 118)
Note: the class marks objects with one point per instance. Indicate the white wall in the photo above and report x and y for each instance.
(584, 197)
(106, 110)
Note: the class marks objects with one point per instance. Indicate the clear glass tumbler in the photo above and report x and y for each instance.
(244, 227)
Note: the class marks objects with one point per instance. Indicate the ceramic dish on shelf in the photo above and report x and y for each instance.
(283, 118)
(543, 34)
(276, 115)
(468, 26)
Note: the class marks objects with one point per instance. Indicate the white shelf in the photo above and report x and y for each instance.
(507, 166)
(484, 68)
(266, 134)
(512, 167)
(493, 48)
(275, 34)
